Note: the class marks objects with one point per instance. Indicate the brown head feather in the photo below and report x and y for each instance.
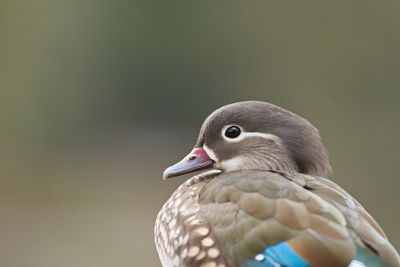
(297, 148)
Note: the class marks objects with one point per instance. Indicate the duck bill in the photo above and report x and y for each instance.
(196, 160)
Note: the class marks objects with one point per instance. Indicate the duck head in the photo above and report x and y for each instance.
(258, 136)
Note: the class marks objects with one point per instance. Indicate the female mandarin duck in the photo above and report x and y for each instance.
(265, 203)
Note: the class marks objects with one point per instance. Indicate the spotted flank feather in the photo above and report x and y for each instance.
(183, 235)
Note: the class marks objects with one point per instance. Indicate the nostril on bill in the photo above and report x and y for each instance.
(192, 157)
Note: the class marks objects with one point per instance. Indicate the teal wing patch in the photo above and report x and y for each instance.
(280, 255)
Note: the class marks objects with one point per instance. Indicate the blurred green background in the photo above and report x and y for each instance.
(98, 97)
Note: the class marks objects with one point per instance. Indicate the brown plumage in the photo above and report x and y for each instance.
(263, 192)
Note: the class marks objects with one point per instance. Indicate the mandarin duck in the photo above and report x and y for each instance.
(262, 199)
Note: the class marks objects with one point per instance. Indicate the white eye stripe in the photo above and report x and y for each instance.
(256, 134)
(244, 135)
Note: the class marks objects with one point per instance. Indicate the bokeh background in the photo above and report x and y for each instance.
(98, 97)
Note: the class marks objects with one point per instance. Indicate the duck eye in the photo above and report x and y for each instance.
(232, 132)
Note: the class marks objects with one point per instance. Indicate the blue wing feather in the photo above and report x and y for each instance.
(282, 255)
(276, 256)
